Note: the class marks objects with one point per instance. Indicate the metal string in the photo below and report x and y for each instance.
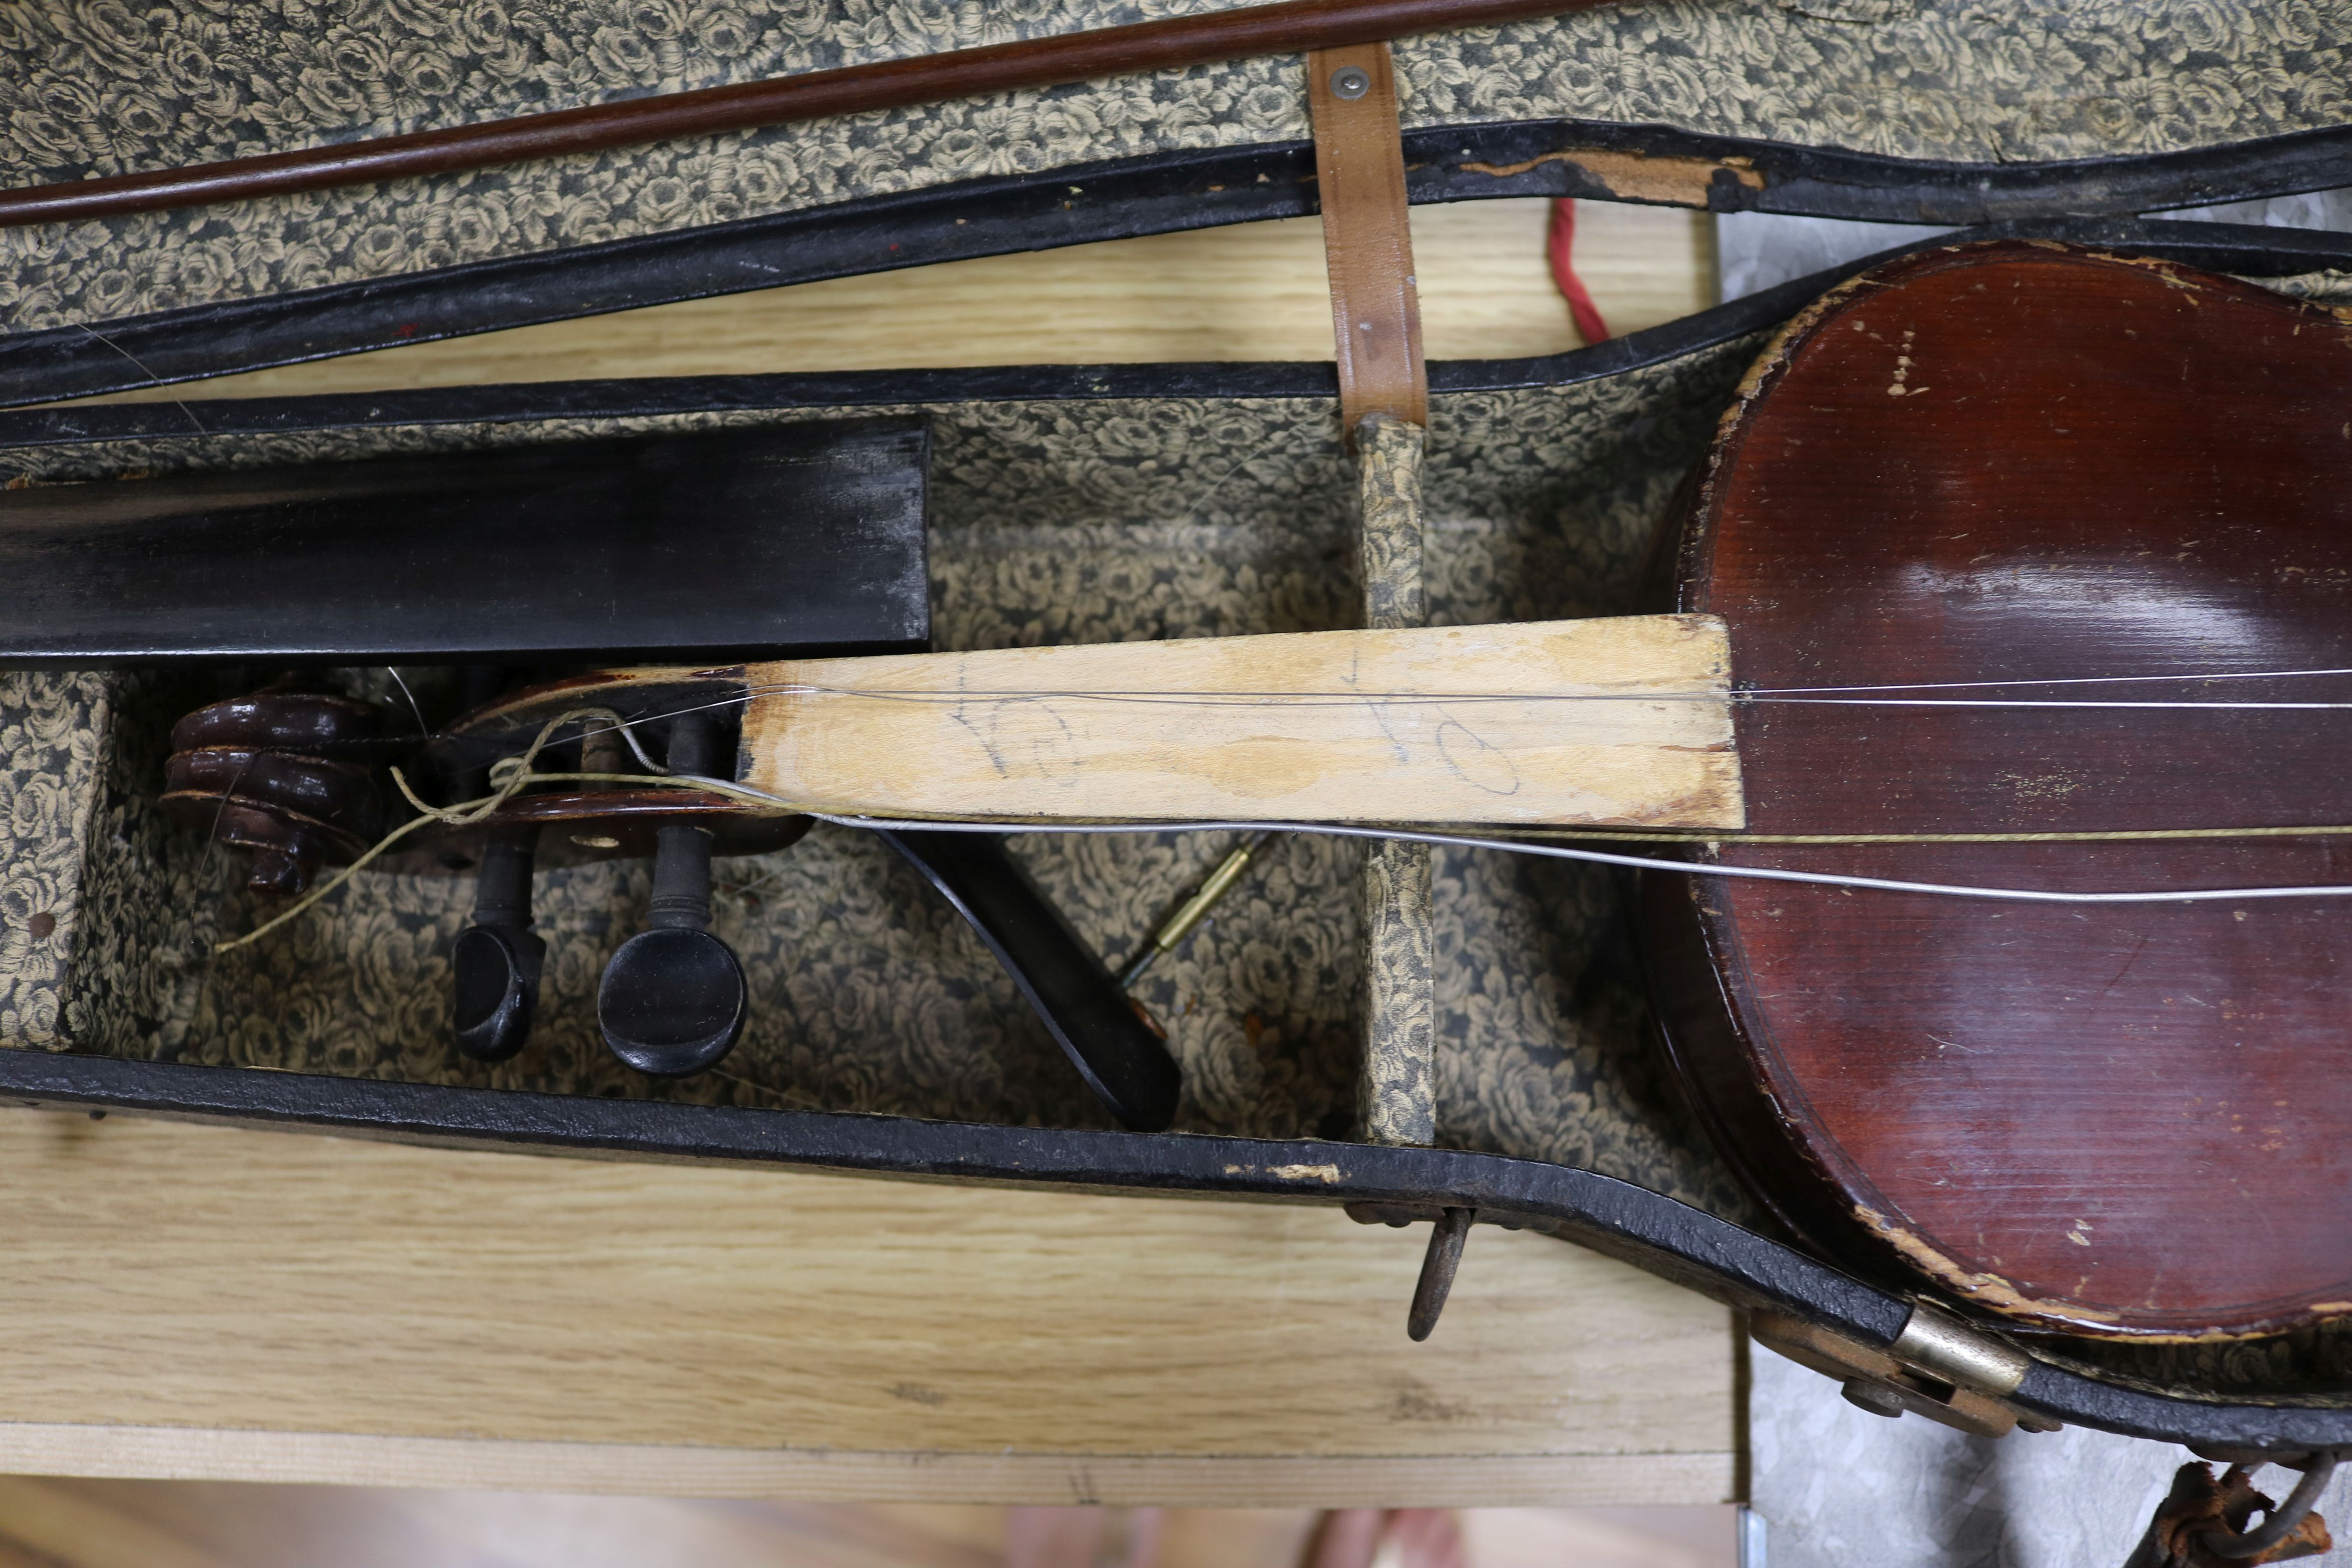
(2059, 681)
(519, 773)
(1564, 852)
(1821, 695)
(1793, 694)
(1594, 833)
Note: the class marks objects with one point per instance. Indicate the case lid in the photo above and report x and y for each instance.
(1949, 110)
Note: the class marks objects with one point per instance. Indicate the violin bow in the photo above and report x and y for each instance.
(1289, 26)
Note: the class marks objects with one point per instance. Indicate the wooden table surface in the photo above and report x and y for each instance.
(202, 1301)
(205, 1302)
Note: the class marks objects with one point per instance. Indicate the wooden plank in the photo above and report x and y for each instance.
(200, 1301)
(1624, 719)
(1251, 292)
(835, 1475)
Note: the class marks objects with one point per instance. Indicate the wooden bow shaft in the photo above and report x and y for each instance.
(1172, 43)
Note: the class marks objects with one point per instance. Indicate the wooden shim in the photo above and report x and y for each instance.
(741, 1332)
(864, 1476)
(1455, 724)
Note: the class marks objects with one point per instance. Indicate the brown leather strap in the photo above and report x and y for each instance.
(1360, 166)
(1383, 405)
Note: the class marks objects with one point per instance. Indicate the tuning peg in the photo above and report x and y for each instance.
(497, 958)
(673, 999)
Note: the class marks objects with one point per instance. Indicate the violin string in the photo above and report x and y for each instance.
(753, 691)
(2059, 680)
(519, 774)
(1525, 845)
(1478, 841)
(1598, 832)
(1595, 834)
(1815, 690)
(1633, 862)
(423, 728)
(2086, 835)
(1310, 699)
(1742, 699)
(524, 775)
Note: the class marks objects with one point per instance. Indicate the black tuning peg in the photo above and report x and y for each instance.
(673, 999)
(497, 958)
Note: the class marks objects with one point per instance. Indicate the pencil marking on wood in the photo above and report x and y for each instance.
(1528, 724)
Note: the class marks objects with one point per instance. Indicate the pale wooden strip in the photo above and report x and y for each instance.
(837, 1475)
(166, 1277)
(1184, 730)
(1251, 291)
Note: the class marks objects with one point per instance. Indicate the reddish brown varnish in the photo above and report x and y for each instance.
(2014, 461)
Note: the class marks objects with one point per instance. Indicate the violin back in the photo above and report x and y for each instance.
(2020, 462)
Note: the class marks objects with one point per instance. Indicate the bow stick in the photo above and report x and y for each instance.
(1292, 27)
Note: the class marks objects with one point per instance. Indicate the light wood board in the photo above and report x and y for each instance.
(1251, 292)
(194, 1301)
(1620, 720)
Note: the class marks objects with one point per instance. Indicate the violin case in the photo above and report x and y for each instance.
(1065, 504)
(1925, 112)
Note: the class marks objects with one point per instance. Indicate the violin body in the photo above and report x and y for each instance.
(2017, 462)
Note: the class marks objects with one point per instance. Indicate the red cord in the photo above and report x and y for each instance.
(1559, 242)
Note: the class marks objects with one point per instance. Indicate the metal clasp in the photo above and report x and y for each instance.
(1937, 1367)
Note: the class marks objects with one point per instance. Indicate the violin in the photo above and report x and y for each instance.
(2037, 570)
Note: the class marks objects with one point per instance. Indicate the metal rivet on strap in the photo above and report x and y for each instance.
(1350, 82)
